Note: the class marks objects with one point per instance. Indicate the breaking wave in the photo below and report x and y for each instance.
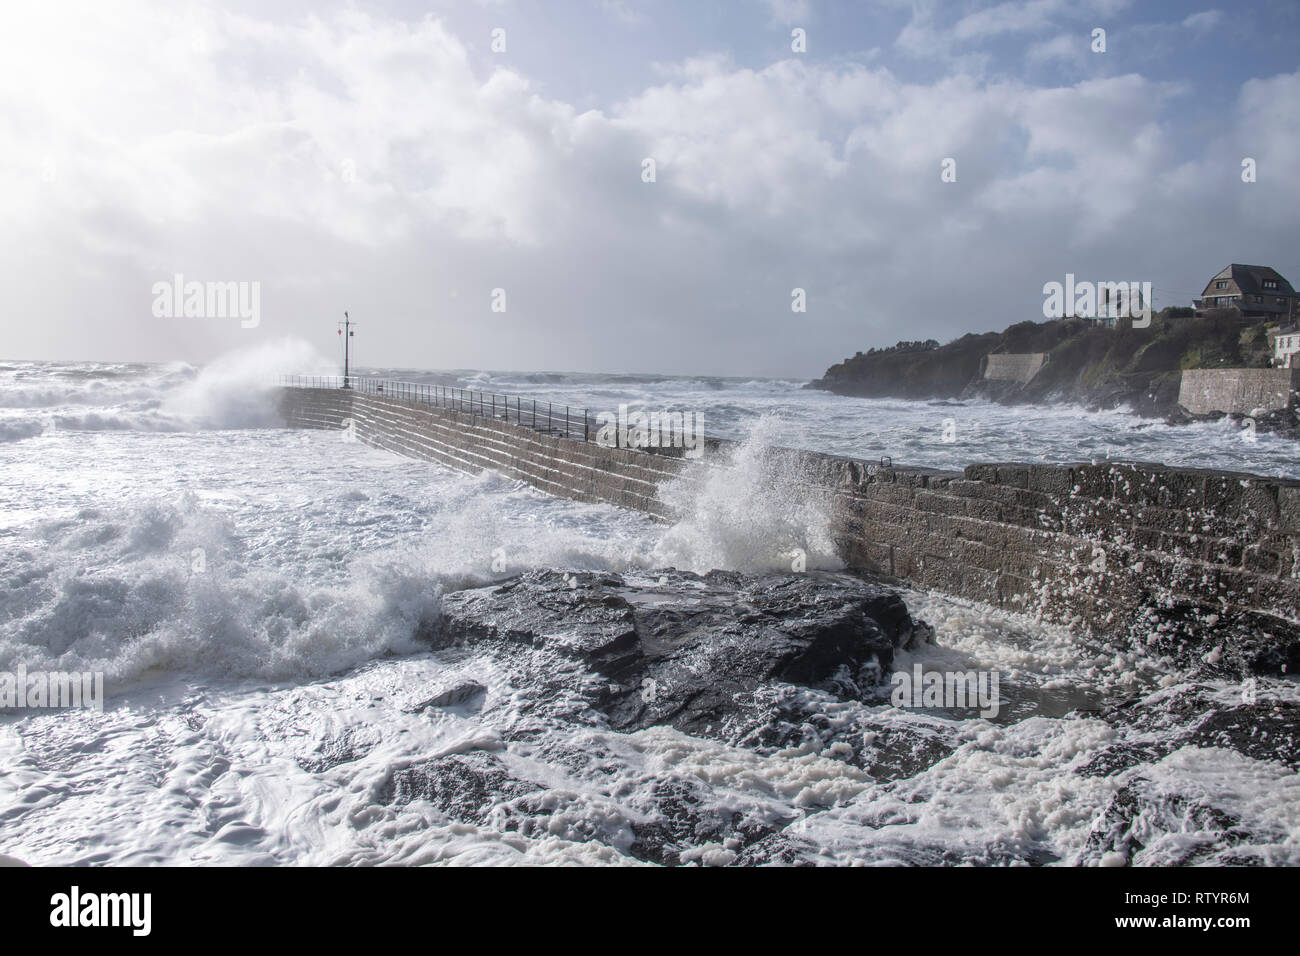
(757, 511)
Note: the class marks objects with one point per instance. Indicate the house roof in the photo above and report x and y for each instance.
(1250, 280)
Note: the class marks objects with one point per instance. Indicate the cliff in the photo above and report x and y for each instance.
(1083, 362)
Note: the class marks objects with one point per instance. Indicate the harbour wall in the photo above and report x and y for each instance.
(1013, 367)
(1092, 545)
(1237, 391)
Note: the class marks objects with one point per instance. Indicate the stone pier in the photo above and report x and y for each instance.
(1096, 546)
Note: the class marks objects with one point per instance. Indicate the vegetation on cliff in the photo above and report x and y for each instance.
(1086, 362)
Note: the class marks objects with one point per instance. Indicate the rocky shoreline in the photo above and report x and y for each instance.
(683, 649)
(785, 667)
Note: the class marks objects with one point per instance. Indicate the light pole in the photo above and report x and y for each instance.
(347, 333)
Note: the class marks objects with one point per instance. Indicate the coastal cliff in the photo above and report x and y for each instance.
(1082, 362)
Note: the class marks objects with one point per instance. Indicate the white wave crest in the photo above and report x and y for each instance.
(757, 511)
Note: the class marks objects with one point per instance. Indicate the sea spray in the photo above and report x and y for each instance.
(319, 554)
(234, 390)
(759, 510)
(270, 571)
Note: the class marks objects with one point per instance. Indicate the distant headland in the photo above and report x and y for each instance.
(1180, 363)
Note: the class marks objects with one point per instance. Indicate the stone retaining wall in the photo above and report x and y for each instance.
(1239, 391)
(1091, 545)
(1013, 367)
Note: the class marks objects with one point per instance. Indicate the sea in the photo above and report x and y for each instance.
(253, 597)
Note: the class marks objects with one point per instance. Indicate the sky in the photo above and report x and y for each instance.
(469, 180)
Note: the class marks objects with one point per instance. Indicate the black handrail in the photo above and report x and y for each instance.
(576, 423)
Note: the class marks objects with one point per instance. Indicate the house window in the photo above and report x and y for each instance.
(1270, 283)
(1221, 284)
(1259, 298)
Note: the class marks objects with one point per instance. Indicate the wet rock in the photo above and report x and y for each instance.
(344, 747)
(466, 787)
(878, 740)
(777, 849)
(682, 816)
(686, 649)
(1233, 644)
(1120, 757)
(1248, 720)
(1264, 731)
(1146, 825)
(465, 694)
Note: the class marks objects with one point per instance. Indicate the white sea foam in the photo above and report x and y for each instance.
(257, 708)
(277, 577)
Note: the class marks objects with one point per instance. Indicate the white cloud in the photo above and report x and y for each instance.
(789, 12)
(933, 34)
(1020, 16)
(1067, 47)
(353, 161)
(1205, 20)
(624, 12)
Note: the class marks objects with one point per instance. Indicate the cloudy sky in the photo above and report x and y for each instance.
(385, 159)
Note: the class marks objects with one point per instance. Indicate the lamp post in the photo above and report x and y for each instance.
(347, 333)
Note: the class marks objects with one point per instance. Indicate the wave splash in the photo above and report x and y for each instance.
(759, 511)
(231, 392)
(161, 588)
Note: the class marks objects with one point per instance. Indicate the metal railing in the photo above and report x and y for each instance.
(545, 417)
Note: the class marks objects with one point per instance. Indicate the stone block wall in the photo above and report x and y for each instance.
(1089, 545)
(1240, 391)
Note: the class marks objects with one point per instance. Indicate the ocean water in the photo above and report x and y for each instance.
(937, 434)
(252, 595)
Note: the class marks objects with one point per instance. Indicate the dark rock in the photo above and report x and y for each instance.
(777, 849)
(466, 787)
(674, 816)
(1264, 731)
(1218, 643)
(1120, 757)
(468, 692)
(349, 745)
(1201, 715)
(682, 814)
(687, 649)
(1150, 826)
(786, 718)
